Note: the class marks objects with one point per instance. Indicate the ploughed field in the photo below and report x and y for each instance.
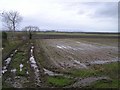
(70, 53)
(71, 62)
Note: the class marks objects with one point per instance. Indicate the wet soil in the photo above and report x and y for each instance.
(53, 57)
(67, 53)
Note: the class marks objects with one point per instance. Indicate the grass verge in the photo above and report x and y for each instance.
(103, 84)
(58, 81)
(110, 70)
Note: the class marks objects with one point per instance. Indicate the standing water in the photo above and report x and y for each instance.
(7, 62)
(34, 66)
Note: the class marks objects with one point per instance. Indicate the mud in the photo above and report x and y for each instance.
(35, 67)
(20, 76)
(7, 62)
(88, 81)
(17, 82)
(69, 53)
(51, 73)
(64, 55)
(104, 62)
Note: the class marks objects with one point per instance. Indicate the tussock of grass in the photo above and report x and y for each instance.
(17, 60)
(103, 84)
(83, 73)
(58, 81)
(9, 45)
(110, 70)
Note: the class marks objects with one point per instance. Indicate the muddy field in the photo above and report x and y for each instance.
(72, 53)
(72, 62)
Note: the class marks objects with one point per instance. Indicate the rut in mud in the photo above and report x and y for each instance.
(35, 67)
(19, 70)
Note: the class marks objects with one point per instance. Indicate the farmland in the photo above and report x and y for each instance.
(60, 60)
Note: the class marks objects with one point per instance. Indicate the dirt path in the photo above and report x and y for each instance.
(34, 67)
(18, 72)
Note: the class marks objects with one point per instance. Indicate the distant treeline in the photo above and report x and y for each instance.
(80, 32)
(53, 31)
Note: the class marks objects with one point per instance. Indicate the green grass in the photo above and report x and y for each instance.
(104, 84)
(9, 45)
(20, 57)
(83, 73)
(21, 73)
(6, 85)
(59, 81)
(110, 70)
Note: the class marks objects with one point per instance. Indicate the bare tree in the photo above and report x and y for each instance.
(11, 20)
(30, 30)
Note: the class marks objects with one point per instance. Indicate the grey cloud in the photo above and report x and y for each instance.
(66, 14)
(100, 9)
(108, 10)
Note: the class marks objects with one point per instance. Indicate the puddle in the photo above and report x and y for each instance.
(13, 70)
(77, 42)
(11, 55)
(16, 51)
(32, 47)
(32, 60)
(27, 72)
(35, 67)
(66, 47)
(61, 47)
(50, 73)
(7, 62)
(4, 70)
(21, 66)
(81, 64)
(103, 62)
(31, 52)
(4, 67)
(80, 49)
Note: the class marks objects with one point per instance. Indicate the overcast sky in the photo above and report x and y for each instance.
(68, 15)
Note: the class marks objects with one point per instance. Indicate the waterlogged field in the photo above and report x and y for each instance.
(78, 62)
(70, 53)
(88, 62)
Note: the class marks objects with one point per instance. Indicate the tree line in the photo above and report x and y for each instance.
(11, 20)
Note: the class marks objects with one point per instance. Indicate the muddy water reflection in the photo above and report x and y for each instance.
(51, 73)
(35, 67)
(7, 62)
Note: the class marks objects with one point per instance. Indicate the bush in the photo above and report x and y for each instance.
(4, 35)
(30, 36)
